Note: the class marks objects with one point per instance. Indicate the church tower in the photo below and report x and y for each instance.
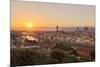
(56, 28)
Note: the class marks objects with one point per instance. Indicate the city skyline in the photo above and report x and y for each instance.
(36, 15)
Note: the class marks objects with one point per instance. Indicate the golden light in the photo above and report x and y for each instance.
(29, 25)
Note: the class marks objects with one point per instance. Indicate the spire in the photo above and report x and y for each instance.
(86, 29)
(57, 28)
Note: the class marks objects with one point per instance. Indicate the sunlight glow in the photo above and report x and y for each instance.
(29, 25)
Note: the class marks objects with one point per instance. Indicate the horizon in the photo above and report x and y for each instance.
(50, 29)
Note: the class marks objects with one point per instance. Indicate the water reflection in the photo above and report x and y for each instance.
(31, 38)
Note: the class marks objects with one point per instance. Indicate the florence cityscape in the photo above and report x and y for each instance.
(51, 33)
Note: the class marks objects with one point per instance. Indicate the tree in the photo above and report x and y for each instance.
(20, 57)
(70, 59)
(29, 56)
(63, 46)
(57, 54)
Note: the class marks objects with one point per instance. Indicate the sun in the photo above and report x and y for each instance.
(29, 25)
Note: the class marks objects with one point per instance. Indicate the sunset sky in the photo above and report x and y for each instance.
(35, 15)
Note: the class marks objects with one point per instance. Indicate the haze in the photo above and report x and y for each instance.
(36, 15)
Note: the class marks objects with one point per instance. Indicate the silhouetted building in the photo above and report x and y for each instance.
(86, 29)
(57, 28)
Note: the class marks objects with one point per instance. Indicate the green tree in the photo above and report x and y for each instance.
(57, 54)
(70, 59)
(63, 46)
(24, 57)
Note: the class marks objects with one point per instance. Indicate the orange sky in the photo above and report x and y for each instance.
(37, 15)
